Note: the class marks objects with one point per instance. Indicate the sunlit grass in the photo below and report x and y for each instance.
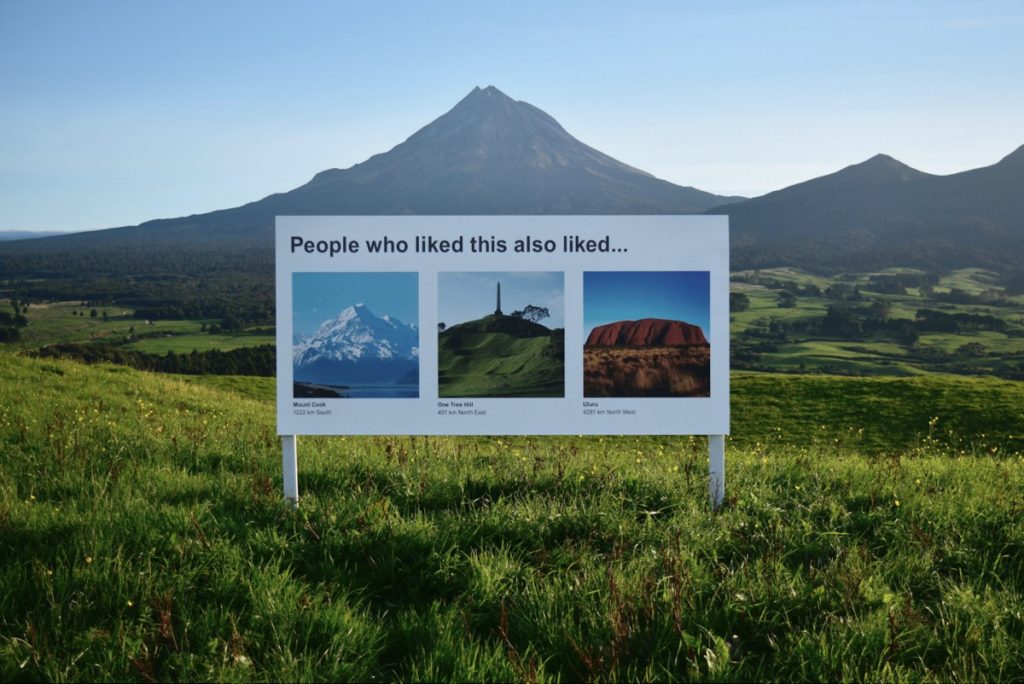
(144, 538)
(183, 344)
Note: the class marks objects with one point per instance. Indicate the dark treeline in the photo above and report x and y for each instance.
(239, 300)
(116, 258)
(929, 320)
(259, 361)
(11, 322)
(853, 321)
(839, 253)
(889, 284)
(991, 297)
(228, 279)
(897, 283)
(859, 322)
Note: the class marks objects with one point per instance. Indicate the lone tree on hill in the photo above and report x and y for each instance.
(532, 313)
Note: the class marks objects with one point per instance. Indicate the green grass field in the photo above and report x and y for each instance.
(143, 537)
(184, 344)
(58, 323)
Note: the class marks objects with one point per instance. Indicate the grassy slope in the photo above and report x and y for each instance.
(494, 364)
(877, 415)
(142, 537)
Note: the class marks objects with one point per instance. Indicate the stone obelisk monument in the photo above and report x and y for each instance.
(497, 311)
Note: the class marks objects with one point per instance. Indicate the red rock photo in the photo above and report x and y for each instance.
(650, 357)
(647, 332)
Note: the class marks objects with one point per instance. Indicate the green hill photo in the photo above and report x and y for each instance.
(501, 356)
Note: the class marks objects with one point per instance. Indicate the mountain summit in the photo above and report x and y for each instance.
(357, 333)
(489, 154)
(359, 347)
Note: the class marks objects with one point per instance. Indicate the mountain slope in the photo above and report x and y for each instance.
(489, 154)
(881, 213)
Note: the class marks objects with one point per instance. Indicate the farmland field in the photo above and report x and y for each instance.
(879, 331)
(72, 322)
(63, 322)
(183, 344)
(144, 538)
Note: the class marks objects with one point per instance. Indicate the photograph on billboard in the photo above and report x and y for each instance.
(502, 325)
(647, 334)
(501, 334)
(352, 336)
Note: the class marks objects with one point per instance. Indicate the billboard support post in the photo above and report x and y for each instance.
(716, 470)
(290, 468)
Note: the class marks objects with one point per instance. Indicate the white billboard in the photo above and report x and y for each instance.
(463, 325)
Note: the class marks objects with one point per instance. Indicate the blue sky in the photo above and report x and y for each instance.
(318, 297)
(468, 295)
(611, 296)
(115, 112)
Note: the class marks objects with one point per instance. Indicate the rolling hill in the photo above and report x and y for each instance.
(881, 213)
(501, 356)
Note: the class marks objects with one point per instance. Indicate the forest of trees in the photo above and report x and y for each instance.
(10, 323)
(238, 300)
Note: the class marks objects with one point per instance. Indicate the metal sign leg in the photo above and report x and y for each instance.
(290, 468)
(716, 470)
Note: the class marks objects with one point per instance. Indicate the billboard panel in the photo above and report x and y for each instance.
(447, 325)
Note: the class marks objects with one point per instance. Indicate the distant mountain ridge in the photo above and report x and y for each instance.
(491, 154)
(882, 212)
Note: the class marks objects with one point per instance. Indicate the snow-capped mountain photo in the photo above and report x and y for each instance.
(357, 334)
(359, 352)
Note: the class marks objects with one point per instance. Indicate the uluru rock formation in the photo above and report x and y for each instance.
(647, 332)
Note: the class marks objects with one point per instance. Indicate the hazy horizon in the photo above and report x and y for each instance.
(110, 119)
